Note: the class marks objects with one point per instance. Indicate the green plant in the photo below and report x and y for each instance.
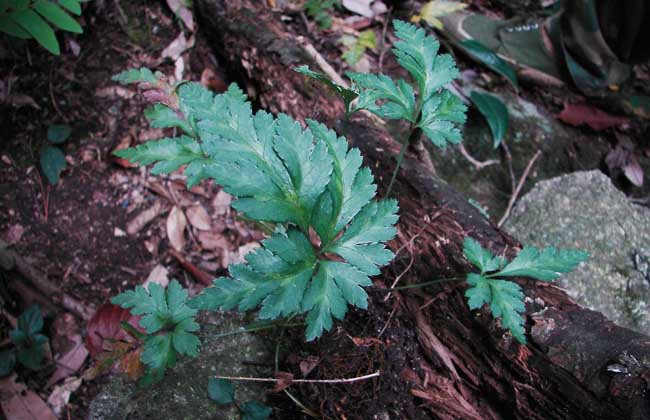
(357, 45)
(27, 19)
(319, 11)
(169, 324)
(495, 112)
(328, 233)
(435, 110)
(505, 298)
(222, 392)
(28, 342)
(52, 158)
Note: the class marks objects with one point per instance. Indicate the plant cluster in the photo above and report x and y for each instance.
(328, 232)
(320, 11)
(29, 343)
(27, 19)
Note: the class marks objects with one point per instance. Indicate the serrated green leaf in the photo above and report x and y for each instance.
(58, 133)
(162, 116)
(362, 243)
(481, 257)
(72, 5)
(135, 76)
(7, 362)
(440, 114)
(349, 190)
(168, 154)
(255, 410)
(546, 265)
(491, 60)
(158, 352)
(495, 112)
(53, 13)
(52, 163)
(418, 54)
(31, 22)
(399, 99)
(183, 340)
(323, 301)
(508, 304)
(221, 391)
(348, 95)
(479, 294)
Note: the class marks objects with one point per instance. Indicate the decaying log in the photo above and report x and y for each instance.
(577, 363)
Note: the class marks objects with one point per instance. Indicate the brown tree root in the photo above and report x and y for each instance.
(577, 365)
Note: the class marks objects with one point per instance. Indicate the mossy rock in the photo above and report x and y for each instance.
(584, 210)
(183, 392)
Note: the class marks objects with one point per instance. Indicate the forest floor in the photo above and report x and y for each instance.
(107, 225)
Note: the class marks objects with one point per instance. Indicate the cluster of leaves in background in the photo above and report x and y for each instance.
(222, 392)
(320, 11)
(169, 324)
(27, 19)
(52, 158)
(300, 180)
(505, 298)
(357, 45)
(29, 343)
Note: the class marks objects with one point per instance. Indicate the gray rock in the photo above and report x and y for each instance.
(584, 210)
(183, 393)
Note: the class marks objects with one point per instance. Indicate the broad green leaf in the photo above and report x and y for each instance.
(37, 28)
(440, 114)
(158, 352)
(162, 116)
(399, 98)
(433, 10)
(135, 75)
(7, 362)
(221, 391)
(8, 26)
(348, 95)
(324, 301)
(495, 112)
(52, 12)
(479, 293)
(546, 265)
(255, 410)
(491, 60)
(52, 163)
(418, 54)
(58, 133)
(72, 5)
(168, 154)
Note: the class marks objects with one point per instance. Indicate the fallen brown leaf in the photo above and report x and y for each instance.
(308, 364)
(70, 362)
(176, 223)
(198, 217)
(60, 395)
(221, 203)
(284, 380)
(212, 241)
(143, 218)
(159, 275)
(20, 403)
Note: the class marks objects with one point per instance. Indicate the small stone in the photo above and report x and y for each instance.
(117, 232)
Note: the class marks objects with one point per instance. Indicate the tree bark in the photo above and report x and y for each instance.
(577, 364)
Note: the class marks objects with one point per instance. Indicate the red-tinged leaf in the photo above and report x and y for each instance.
(131, 364)
(579, 114)
(105, 328)
(284, 380)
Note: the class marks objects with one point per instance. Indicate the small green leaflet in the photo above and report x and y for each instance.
(163, 309)
(254, 410)
(167, 153)
(399, 97)
(58, 133)
(505, 298)
(52, 163)
(495, 112)
(162, 116)
(491, 60)
(136, 75)
(357, 45)
(440, 114)
(28, 339)
(221, 391)
(348, 95)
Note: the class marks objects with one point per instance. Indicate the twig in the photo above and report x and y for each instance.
(513, 180)
(321, 62)
(56, 107)
(303, 381)
(478, 165)
(517, 190)
(382, 49)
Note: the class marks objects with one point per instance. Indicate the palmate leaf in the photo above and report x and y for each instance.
(399, 99)
(440, 114)
(305, 180)
(505, 298)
